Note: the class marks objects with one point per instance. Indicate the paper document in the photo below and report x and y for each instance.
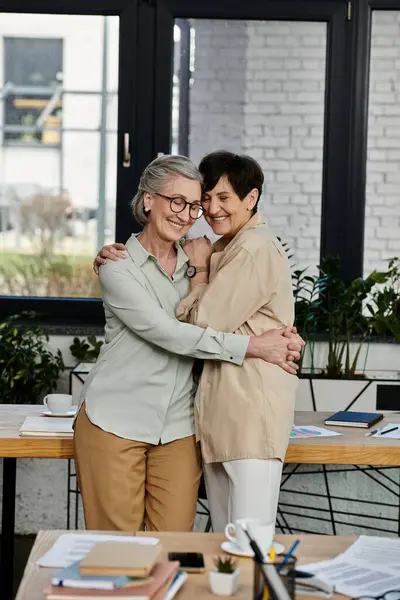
(370, 567)
(313, 586)
(83, 368)
(70, 547)
(394, 435)
(309, 431)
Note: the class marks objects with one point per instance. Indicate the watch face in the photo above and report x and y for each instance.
(191, 271)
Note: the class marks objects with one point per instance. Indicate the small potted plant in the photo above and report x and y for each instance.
(224, 581)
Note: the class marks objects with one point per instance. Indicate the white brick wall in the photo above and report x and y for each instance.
(259, 88)
(382, 223)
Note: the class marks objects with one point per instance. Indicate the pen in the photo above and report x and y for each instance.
(288, 556)
(389, 431)
(302, 574)
(176, 585)
(258, 555)
(371, 432)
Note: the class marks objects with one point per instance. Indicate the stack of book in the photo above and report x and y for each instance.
(46, 427)
(116, 570)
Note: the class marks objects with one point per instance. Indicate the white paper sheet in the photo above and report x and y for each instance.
(309, 431)
(394, 435)
(370, 567)
(70, 547)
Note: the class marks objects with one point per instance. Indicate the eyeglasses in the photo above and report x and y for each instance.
(178, 205)
(393, 595)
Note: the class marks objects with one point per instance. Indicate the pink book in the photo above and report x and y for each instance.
(161, 576)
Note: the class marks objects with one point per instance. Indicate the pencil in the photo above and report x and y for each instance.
(272, 554)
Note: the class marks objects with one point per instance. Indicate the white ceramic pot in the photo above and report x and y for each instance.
(224, 584)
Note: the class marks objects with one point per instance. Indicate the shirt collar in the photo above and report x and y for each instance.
(140, 255)
(255, 221)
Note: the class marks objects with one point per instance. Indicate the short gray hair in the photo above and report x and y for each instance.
(156, 175)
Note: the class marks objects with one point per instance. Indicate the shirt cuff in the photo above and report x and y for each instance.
(235, 348)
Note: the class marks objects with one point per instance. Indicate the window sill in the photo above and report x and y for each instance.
(17, 144)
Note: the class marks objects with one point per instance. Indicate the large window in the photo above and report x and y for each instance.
(258, 88)
(382, 211)
(32, 90)
(59, 156)
(88, 100)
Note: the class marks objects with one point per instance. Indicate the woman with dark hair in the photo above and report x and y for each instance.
(244, 416)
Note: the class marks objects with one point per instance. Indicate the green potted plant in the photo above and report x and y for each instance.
(224, 581)
(29, 368)
(384, 308)
(344, 315)
(86, 350)
(308, 292)
(347, 313)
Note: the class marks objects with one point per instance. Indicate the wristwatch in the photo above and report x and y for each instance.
(192, 270)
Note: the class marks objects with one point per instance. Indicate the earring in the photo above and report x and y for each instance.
(146, 210)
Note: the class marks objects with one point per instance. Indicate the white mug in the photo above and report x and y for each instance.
(58, 403)
(260, 530)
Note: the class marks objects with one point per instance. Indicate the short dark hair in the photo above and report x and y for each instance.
(243, 172)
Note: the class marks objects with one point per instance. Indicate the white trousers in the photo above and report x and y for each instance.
(242, 489)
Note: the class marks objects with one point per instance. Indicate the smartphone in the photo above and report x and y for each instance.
(192, 562)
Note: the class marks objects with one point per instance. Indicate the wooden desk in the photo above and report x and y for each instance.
(351, 448)
(12, 446)
(311, 549)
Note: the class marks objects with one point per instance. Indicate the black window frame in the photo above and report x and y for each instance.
(360, 106)
(337, 131)
(88, 312)
(146, 115)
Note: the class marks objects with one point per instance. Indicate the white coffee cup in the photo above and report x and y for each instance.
(58, 403)
(260, 530)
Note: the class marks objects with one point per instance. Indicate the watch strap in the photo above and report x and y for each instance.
(192, 271)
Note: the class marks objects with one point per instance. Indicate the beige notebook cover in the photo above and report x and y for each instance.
(46, 426)
(112, 558)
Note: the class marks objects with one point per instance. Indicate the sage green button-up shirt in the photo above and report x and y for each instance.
(141, 387)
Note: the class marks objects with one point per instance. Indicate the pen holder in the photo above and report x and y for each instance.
(261, 591)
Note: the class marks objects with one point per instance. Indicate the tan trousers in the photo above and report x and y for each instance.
(128, 485)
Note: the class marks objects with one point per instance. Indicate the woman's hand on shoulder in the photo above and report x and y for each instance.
(198, 251)
(111, 251)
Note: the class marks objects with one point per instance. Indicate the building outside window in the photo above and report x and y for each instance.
(32, 90)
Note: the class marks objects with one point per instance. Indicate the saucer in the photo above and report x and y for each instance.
(69, 413)
(233, 548)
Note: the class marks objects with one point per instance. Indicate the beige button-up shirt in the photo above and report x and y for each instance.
(244, 412)
(141, 387)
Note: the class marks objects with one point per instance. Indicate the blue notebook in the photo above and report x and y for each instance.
(71, 577)
(347, 418)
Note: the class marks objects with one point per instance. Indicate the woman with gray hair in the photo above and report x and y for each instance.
(137, 460)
